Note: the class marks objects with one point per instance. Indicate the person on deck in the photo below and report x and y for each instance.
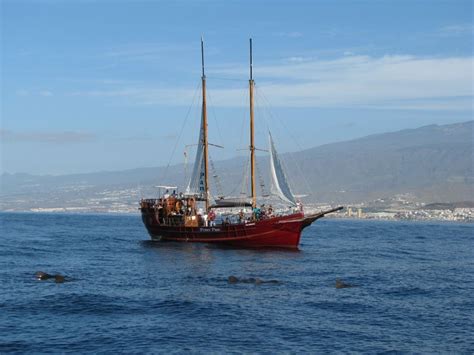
(241, 216)
(211, 216)
(270, 211)
(256, 213)
(299, 206)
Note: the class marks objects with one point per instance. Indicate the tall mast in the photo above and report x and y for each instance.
(204, 127)
(252, 134)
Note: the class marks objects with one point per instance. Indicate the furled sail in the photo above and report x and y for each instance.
(280, 185)
(196, 184)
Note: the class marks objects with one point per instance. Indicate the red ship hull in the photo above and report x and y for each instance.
(277, 232)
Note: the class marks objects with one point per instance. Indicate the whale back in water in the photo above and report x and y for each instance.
(234, 279)
(342, 284)
(58, 278)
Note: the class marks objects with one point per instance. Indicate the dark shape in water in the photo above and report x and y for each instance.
(342, 284)
(233, 280)
(58, 278)
(40, 275)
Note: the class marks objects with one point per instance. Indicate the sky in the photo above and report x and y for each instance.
(110, 85)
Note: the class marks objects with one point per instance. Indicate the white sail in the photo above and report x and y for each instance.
(280, 185)
(196, 184)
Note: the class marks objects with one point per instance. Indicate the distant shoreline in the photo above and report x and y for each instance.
(330, 217)
(398, 220)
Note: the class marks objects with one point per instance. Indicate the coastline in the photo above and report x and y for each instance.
(370, 216)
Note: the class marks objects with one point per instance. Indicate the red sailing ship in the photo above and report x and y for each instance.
(179, 217)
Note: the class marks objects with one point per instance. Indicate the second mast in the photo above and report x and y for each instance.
(204, 127)
(252, 135)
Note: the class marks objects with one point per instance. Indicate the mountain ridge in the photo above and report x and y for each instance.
(470, 123)
(434, 163)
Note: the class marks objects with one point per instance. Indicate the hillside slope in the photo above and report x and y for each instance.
(433, 163)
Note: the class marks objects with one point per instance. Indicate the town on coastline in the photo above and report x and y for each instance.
(403, 207)
(124, 200)
(428, 214)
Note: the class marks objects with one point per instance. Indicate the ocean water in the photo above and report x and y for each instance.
(415, 287)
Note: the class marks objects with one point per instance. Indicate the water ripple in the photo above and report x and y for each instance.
(129, 294)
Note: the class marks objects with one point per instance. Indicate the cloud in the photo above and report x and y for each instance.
(146, 136)
(143, 95)
(364, 81)
(22, 92)
(45, 93)
(9, 136)
(298, 59)
(292, 34)
(392, 82)
(457, 30)
(146, 51)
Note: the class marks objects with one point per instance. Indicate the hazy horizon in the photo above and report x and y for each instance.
(227, 158)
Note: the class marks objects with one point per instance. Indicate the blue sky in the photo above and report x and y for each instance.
(104, 85)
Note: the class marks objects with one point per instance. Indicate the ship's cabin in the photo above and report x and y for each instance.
(175, 208)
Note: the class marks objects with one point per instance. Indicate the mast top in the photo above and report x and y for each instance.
(202, 57)
(251, 74)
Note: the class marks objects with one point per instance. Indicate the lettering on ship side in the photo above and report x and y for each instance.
(209, 229)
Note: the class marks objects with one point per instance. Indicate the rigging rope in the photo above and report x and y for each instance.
(245, 181)
(215, 118)
(216, 178)
(259, 93)
(165, 175)
(246, 168)
(261, 182)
